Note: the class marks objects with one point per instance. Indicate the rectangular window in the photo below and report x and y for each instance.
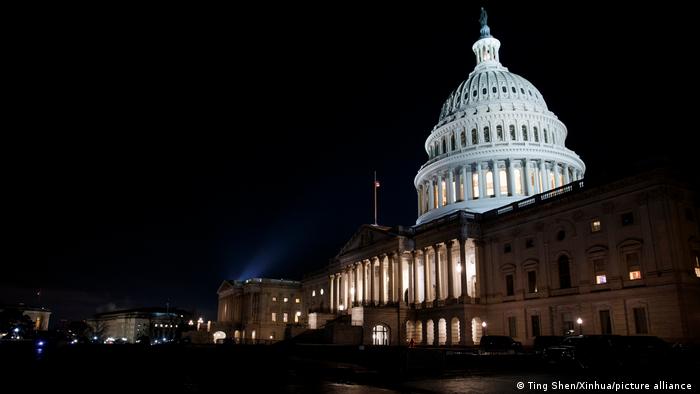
(535, 323)
(274, 299)
(605, 323)
(531, 282)
(286, 299)
(274, 316)
(507, 248)
(600, 273)
(601, 279)
(297, 300)
(627, 218)
(285, 317)
(633, 265)
(595, 225)
(640, 321)
(512, 327)
(313, 293)
(509, 285)
(530, 242)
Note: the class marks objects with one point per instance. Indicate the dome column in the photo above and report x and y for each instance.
(431, 196)
(567, 179)
(496, 179)
(440, 191)
(511, 181)
(545, 176)
(450, 186)
(467, 174)
(555, 170)
(482, 183)
(528, 191)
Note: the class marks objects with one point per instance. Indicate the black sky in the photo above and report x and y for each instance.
(148, 155)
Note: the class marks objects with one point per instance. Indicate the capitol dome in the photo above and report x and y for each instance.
(495, 142)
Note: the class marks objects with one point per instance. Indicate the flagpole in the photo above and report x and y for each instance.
(375, 198)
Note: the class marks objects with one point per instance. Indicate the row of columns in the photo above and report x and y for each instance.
(357, 283)
(459, 185)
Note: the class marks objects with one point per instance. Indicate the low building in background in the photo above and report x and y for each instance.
(154, 324)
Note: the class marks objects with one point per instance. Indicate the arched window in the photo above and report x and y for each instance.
(475, 137)
(511, 129)
(513, 88)
(444, 146)
(219, 336)
(499, 132)
(522, 90)
(487, 134)
(463, 139)
(380, 335)
(430, 334)
(452, 141)
(483, 91)
(442, 332)
(410, 331)
(505, 90)
(546, 140)
(494, 90)
(524, 133)
(564, 272)
(474, 93)
(456, 335)
(535, 134)
(477, 330)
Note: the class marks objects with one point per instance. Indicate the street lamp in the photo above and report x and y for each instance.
(580, 327)
(483, 326)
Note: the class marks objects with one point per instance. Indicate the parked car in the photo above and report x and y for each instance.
(588, 351)
(499, 344)
(542, 342)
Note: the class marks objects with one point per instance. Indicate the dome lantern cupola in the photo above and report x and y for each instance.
(495, 142)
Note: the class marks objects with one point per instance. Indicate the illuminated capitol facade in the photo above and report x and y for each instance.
(508, 240)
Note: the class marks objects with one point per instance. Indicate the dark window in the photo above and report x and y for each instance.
(561, 234)
(464, 139)
(536, 134)
(530, 91)
(564, 273)
(474, 93)
(511, 128)
(507, 248)
(494, 89)
(505, 90)
(452, 140)
(499, 132)
(627, 218)
(640, 321)
(535, 322)
(483, 91)
(509, 285)
(530, 242)
(475, 137)
(524, 133)
(689, 216)
(512, 327)
(546, 140)
(522, 90)
(513, 88)
(487, 134)
(605, 324)
(444, 146)
(532, 282)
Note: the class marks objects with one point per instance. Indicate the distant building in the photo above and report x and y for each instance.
(260, 310)
(155, 323)
(39, 315)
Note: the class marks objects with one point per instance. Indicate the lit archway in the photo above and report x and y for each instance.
(380, 335)
(430, 335)
(442, 332)
(456, 334)
(418, 336)
(476, 330)
(237, 336)
(219, 336)
(410, 331)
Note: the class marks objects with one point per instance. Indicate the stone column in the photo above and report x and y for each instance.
(438, 273)
(431, 196)
(414, 278)
(371, 281)
(390, 275)
(338, 301)
(467, 172)
(355, 278)
(367, 288)
(426, 276)
(450, 186)
(331, 290)
(450, 272)
(528, 191)
(537, 189)
(565, 168)
(399, 278)
(480, 269)
(463, 274)
(440, 191)
(555, 170)
(482, 181)
(511, 180)
(382, 281)
(545, 176)
(496, 179)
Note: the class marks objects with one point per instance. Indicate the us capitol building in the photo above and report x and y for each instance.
(509, 240)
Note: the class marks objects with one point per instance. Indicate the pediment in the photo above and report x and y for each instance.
(365, 236)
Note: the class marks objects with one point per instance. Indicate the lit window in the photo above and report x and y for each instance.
(489, 184)
(313, 293)
(321, 291)
(274, 299)
(601, 279)
(634, 275)
(274, 316)
(595, 225)
(285, 317)
(475, 185)
(697, 265)
(633, 265)
(296, 317)
(298, 313)
(286, 299)
(297, 301)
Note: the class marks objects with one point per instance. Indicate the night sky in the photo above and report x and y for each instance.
(151, 155)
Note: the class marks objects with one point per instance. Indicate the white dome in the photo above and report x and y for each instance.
(494, 123)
